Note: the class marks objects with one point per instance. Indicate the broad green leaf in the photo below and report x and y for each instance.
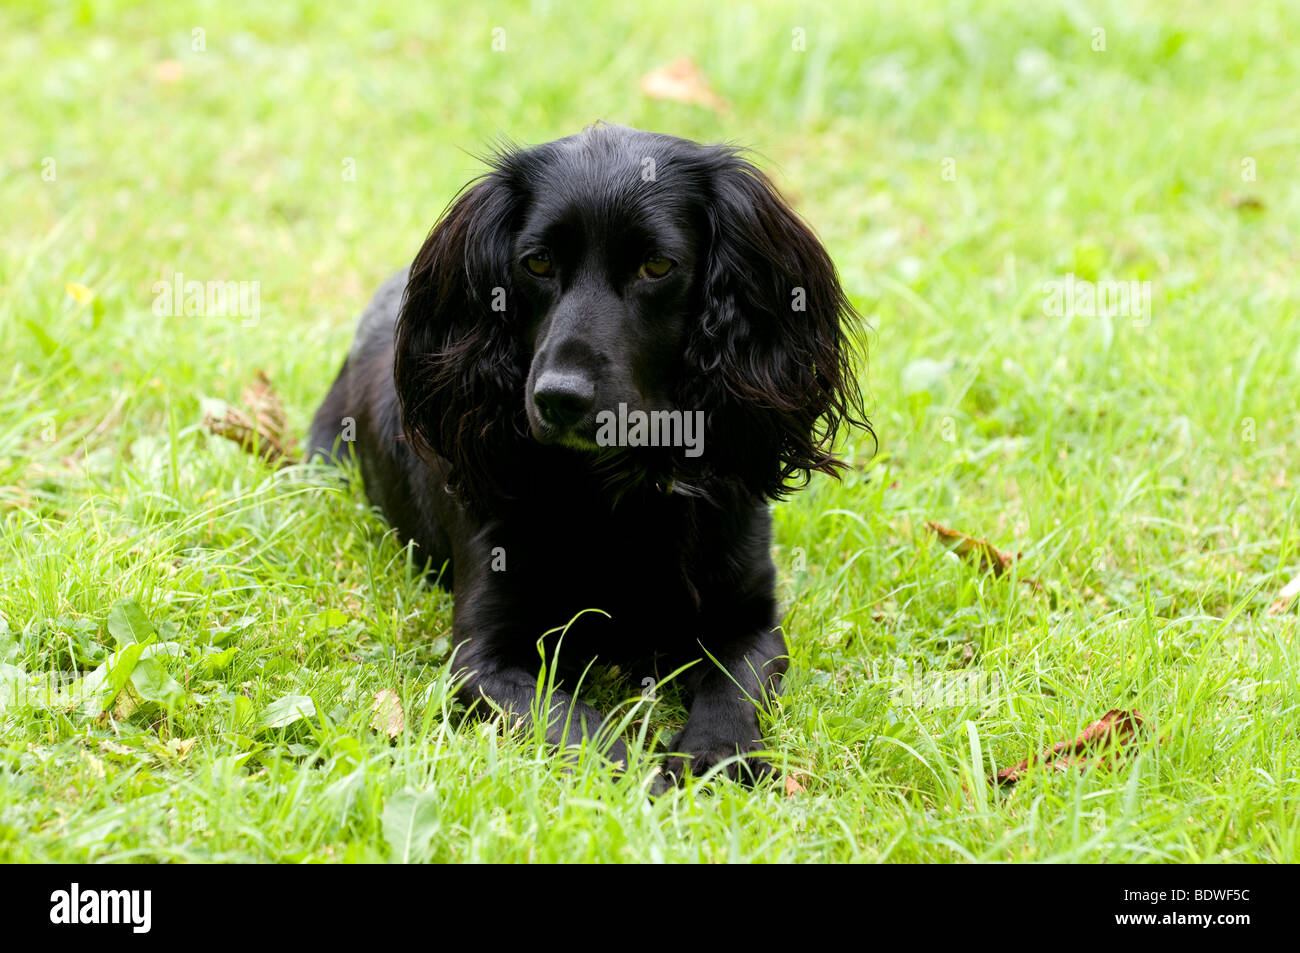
(13, 685)
(241, 713)
(153, 683)
(117, 671)
(333, 618)
(411, 820)
(170, 649)
(285, 711)
(98, 691)
(213, 662)
(128, 624)
(47, 343)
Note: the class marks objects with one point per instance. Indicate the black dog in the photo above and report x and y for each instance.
(608, 356)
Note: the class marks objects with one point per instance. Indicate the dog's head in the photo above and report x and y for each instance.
(617, 279)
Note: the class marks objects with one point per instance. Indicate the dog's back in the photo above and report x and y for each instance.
(361, 408)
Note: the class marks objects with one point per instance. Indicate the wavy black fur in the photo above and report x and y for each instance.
(472, 392)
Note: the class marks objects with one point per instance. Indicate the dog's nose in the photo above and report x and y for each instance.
(563, 399)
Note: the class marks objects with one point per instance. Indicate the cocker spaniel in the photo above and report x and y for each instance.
(608, 357)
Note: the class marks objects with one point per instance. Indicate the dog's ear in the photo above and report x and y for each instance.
(458, 372)
(773, 355)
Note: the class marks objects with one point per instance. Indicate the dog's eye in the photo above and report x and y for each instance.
(539, 264)
(655, 267)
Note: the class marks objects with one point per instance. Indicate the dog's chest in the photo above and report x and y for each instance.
(646, 568)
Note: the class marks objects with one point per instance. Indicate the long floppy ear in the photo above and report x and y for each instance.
(772, 356)
(458, 372)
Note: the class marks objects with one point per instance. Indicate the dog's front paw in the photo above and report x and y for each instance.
(698, 753)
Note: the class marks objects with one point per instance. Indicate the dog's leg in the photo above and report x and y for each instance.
(515, 691)
(723, 723)
(325, 439)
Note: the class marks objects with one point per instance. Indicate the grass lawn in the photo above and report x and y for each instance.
(191, 642)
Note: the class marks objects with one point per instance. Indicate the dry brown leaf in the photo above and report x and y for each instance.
(684, 82)
(1113, 730)
(112, 747)
(1285, 597)
(168, 71)
(388, 716)
(792, 785)
(179, 748)
(264, 431)
(979, 551)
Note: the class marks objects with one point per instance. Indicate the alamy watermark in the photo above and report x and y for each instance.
(914, 688)
(131, 907)
(212, 299)
(1077, 297)
(651, 428)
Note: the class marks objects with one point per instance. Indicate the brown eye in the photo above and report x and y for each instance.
(655, 267)
(539, 264)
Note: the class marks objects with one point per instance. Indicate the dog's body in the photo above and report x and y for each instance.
(561, 286)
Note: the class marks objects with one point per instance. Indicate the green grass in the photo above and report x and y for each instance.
(1147, 470)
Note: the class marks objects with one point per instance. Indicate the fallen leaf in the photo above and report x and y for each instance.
(1250, 202)
(264, 431)
(1113, 730)
(80, 293)
(979, 551)
(180, 747)
(684, 82)
(792, 785)
(112, 747)
(1285, 597)
(388, 716)
(168, 71)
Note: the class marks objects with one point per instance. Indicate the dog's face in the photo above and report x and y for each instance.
(605, 260)
(619, 271)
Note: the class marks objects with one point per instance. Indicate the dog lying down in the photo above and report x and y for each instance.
(611, 353)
